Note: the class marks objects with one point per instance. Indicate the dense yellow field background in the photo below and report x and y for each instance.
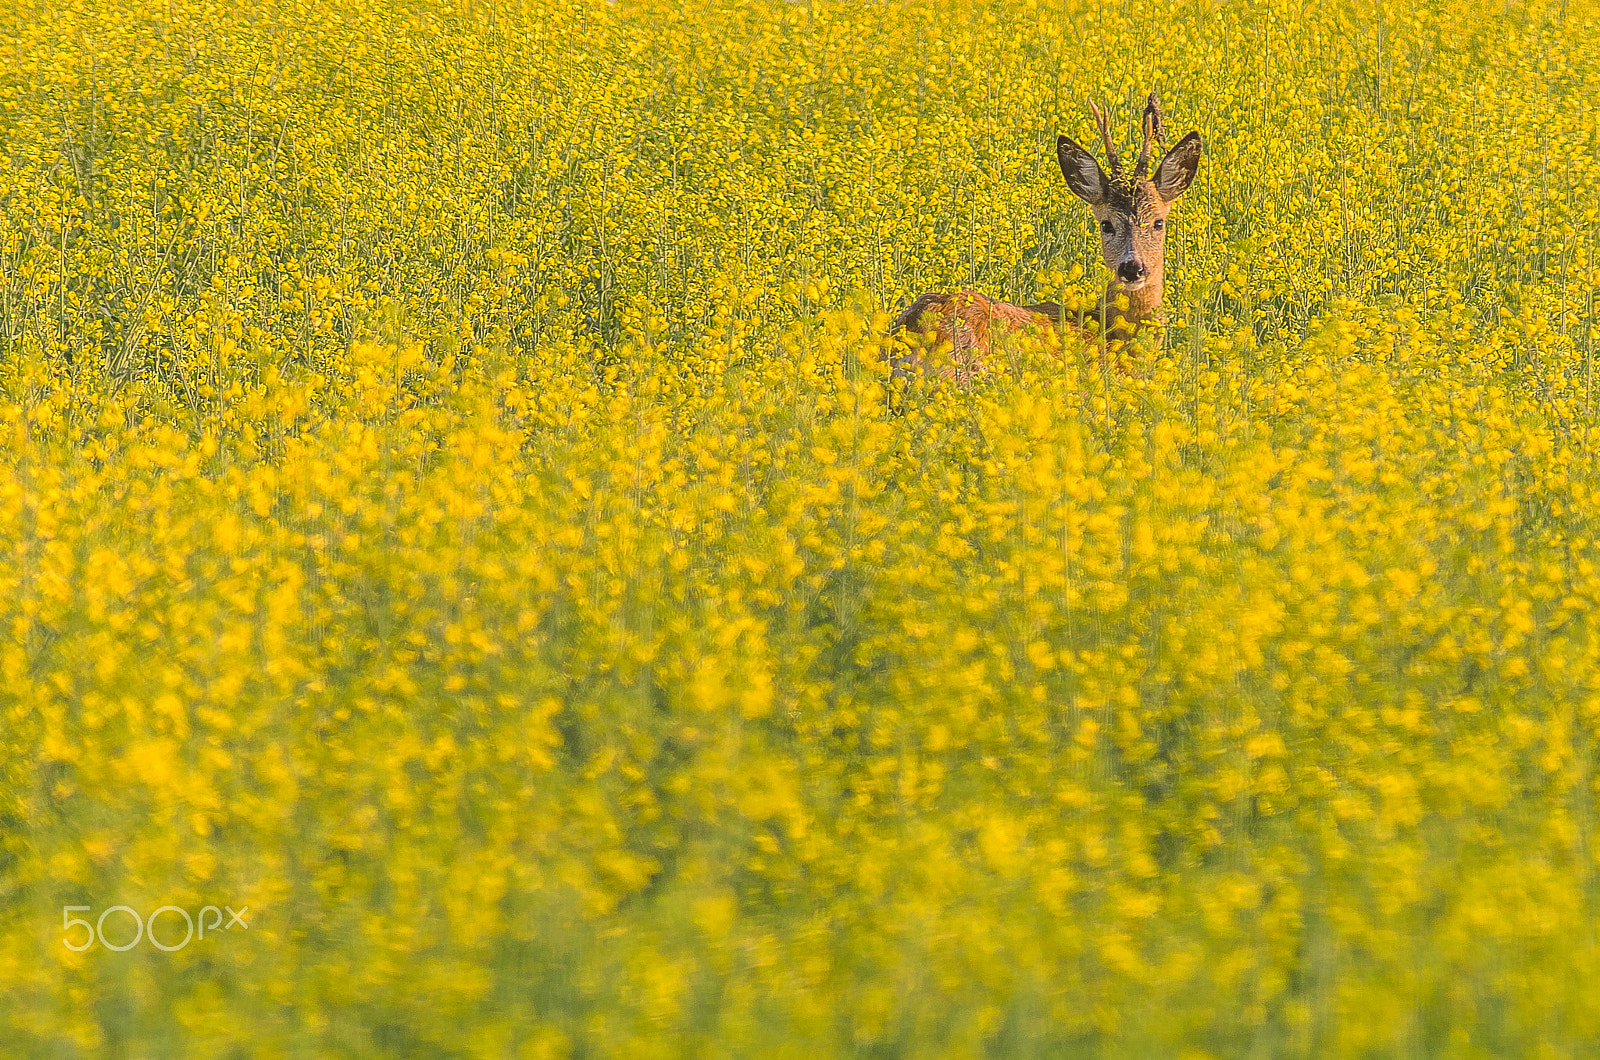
(450, 504)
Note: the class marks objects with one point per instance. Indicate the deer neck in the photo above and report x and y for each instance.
(1142, 308)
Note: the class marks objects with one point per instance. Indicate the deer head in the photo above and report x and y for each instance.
(1132, 208)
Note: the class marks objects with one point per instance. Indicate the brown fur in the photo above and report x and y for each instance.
(955, 333)
(958, 330)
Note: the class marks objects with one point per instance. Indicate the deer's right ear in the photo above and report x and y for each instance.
(1084, 176)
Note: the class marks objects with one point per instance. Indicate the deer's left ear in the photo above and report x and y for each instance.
(1177, 169)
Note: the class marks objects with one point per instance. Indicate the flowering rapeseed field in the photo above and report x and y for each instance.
(455, 516)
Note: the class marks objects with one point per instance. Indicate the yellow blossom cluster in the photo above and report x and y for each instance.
(456, 512)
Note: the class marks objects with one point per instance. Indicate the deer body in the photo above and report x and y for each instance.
(1132, 210)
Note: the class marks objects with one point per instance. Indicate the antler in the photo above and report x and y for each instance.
(1153, 132)
(1105, 136)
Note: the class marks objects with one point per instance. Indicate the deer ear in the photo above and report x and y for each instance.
(1084, 176)
(1177, 169)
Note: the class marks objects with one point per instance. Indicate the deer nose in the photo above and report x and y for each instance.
(1130, 271)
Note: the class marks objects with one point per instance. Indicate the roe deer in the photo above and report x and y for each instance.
(1132, 211)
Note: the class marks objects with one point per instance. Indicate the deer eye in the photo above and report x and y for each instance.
(1159, 224)
(1108, 228)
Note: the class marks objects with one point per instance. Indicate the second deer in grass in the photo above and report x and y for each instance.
(1132, 209)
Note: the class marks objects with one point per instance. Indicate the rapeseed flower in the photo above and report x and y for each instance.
(455, 504)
